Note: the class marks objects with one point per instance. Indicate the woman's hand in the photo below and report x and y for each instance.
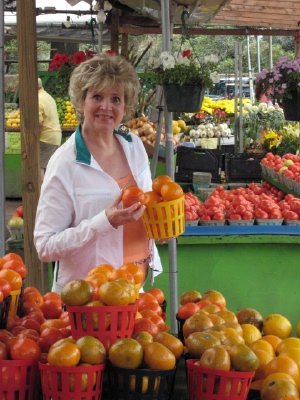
(120, 216)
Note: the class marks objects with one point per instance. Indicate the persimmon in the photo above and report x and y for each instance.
(158, 294)
(51, 309)
(13, 277)
(12, 256)
(17, 266)
(134, 270)
(159, 181)
(5, 287)
(152, 198)
(132, 195)
(171, 191)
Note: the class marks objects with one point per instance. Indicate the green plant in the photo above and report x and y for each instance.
(283, 141)
(284, 78)
(182, 68)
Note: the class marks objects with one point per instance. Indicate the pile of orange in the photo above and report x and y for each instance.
(12, 273)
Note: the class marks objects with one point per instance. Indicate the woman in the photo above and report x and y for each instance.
(265, 95)
(80, 221)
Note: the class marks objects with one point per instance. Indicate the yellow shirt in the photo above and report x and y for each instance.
(48, 115)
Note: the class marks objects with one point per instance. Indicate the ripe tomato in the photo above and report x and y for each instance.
(132, 195)
(261, 214)
(24, 349)
(48, 337)
(51, 309)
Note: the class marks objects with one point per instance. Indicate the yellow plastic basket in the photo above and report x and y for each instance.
(165, 219)
(15, 297)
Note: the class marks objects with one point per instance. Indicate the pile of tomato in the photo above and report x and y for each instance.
(264, 201)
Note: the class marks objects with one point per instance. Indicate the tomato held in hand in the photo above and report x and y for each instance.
(132, 195)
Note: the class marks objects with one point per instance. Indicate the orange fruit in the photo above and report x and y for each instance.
(171, 191)
(273, 340)
(2, 262)
(106, 322)
(84, 379)
(171, 342)
(215, 357)
(243, 358)
(159, 181)
(92, 351)
(196, 323)
(64, 353)
(114, 294)
(215, 319)
(76, 293)
(262, 345)
(159, 322)
(250, 316)
(105, 269)
(264, 357)
(214, 296)
(126, 353)
(198, 342)
(96, 280)
(56, 323)
(187, 310)
(278, 325)
(12, 256)
(250, 333)
(121, 273)
(158, 356)
(228, 316)
(13, 277)
(276, 376)
(158, 294)
(279, 389)
(286, 365)
(17, 266)
(131, 196)
(5, 287)
(134, 270)
(143, 337)
(288, 343)
(293, 353)
(152, 198)
(145, 324)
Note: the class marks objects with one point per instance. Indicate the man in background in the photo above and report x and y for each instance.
(50, 130)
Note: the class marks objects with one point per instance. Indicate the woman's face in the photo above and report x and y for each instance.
(267, 96)
(104, 109)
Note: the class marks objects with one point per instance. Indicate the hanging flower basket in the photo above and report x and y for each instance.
(291, 107)
(183, 98)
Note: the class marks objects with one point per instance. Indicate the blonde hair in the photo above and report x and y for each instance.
(100, 73)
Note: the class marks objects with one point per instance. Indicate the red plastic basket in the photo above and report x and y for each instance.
(107, 323)
(81, 382)
(19, 379)
(212, 384)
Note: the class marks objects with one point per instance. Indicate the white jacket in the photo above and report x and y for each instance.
(71, 226)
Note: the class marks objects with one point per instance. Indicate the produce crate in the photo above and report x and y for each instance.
(243, 167)
(190, 160)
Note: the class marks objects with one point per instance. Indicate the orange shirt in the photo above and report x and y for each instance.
(136, 241)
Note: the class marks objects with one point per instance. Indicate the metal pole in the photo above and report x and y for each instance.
(2, 140)
(258, 52)
(241, 147)
(249, 69)
(100, 37)
(167, 28)
(270, 52)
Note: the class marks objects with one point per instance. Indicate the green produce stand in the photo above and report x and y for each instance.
(253, 266)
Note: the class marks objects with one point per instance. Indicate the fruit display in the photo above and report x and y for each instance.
(12, 119)
(146, 130)
(262, 204)
(242, 341)
(66, 112)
